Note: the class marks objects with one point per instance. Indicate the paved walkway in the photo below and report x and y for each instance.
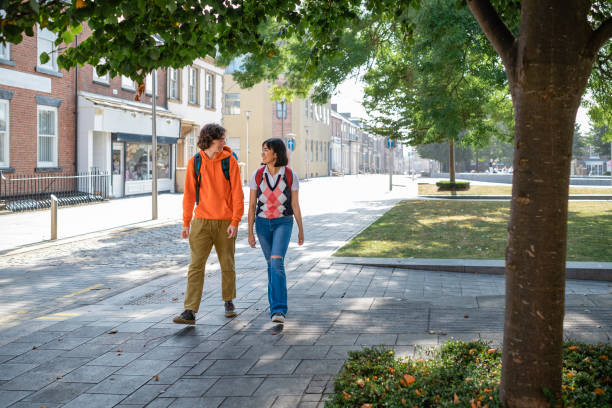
(105, 346)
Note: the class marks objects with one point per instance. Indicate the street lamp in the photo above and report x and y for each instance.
(248, 116)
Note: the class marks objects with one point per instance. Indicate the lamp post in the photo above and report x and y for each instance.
(248, 116)
(154, 145)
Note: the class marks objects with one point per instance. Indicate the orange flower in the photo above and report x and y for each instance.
(491, 351)
(391, 370)
(456, 399)
(487, 390)
(599, 391)
(366, 406)
(346, 395)
(472, 351)
(573, 348)
(360, 382)
(604, 357)
(570, 374)
(409, 379)
(80, 4)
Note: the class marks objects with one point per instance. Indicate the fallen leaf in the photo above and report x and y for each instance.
(599, 391)
(491, 351)
(603, 357)
(174, 299)
(456, 399)
(114, 331)
(119, 351)
(472, 351)
(465, 316)
(367, 406)
(360, 382)
(60, 339)
(573, 348)
(34, 347)
(156, 378)
(346, 395)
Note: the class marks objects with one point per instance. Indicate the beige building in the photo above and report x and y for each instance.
(305, 126)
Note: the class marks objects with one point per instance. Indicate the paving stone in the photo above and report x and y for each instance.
(189, 360)
(234, 387)
(107, 338)
(133, 327)
(145, 394)
(10, 371)
(27, 404)
(166, 353)
(337, 339)
(227, 352)
(274, 386)
(89, 331)
(115, 359)
(298, 339)
(202, 402)
(65, 326)
(89, 374)
(60, 366)
(286, 401)
(29, 382)
(418, 339)
(58, 393)
(9, 397)
(274, 367)
(312, 397)
(35, 357)
(183, 341)
(341, 352)
(95, 401)
(190, 387)
(144, 367)
(266, 352)
(306, 352)
(119, 384)
(15, 348)
(247, 402)
(161, 402)
(319, 366)
(170, 375)
(229, 367)
(308, 404)
(89, 350)
(376, 339)
(207, 346)
(199, 368)
(4, 359)
(40, 337)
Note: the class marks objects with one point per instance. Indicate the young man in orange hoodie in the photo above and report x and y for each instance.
(220, 208)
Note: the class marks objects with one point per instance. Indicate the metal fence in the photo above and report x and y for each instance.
(23, 192)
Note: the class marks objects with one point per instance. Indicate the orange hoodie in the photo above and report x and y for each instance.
(220, 199)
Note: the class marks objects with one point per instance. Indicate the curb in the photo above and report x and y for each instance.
(595, 271)
(606, 197)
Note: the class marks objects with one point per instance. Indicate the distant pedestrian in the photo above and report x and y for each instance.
(213, 184)
(273, 204)
(491, 166)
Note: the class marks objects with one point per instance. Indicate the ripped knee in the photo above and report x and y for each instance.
(276, 257)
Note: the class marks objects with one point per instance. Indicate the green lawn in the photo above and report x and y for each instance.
(473, 230)
(486, 189)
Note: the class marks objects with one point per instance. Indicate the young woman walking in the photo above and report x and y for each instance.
(273, 203)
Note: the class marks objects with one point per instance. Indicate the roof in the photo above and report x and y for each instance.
(123, 104)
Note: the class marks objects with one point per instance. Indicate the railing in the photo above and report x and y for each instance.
(20, 192)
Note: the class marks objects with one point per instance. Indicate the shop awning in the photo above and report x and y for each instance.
(136, 138)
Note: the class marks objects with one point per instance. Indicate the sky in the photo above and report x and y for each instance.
(349, 98)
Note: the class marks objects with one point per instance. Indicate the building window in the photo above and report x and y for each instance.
(311, 110)
(311, 148)
(127, 83)
(47, 136)
(191, 142)
(149, 83)
(173, 83)
(193, 86)
(4, 133)
(97, 78)
(210, 90)
(46, 43)
(5, 51)
(140, 161)
(317, 150)
(281, 110)
(306, 108)
(232, 104)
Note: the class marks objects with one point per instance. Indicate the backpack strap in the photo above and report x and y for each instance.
(259, 176)
(288, 177)
(197, 162)
(225, 164)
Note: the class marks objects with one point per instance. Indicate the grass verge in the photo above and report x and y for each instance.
(473, 230)
(484, 189)
(462, 374)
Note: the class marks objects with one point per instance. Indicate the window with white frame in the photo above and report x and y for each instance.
(210, 90)
(46, 43)
(5, 51)
(232, 104)
(97, 78)
(306, 108)
(311, 110)
(149, 83)
(4, 133)
(47, 136)
(173, 83)
(127, 83)
(193, 86)
(281, 110)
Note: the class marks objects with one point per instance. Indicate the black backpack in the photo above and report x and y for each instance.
(197, 163)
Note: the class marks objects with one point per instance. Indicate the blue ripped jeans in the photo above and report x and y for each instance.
(273, 235)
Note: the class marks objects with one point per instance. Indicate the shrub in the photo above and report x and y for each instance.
(461, 374)
(446, 185)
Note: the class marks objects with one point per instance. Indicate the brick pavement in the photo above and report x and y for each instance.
(123, 350)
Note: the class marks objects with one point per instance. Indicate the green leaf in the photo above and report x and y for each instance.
(77, 29)
(67, 37)
(44, 58)
(34, 5)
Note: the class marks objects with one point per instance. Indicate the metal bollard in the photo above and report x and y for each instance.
(53, 217)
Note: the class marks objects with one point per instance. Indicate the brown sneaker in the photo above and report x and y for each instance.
(187, 317)
(230, 310)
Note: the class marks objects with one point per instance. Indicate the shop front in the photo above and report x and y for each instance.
(115, 136)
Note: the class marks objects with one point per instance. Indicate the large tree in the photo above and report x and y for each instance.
(442, 84)
(548, 62)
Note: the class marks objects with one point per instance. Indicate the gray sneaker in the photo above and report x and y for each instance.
(230, 310)
(187, 317)
(278, 318)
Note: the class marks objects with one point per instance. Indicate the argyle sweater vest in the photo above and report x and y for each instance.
(273, 201)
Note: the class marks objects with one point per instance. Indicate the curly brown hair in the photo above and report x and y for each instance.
(210, 132)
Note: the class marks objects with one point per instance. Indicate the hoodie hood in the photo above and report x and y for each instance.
(226, 152)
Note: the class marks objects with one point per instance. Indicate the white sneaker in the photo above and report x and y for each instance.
(278, 318)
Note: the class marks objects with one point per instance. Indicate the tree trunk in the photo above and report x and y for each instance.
(547, 75)
(451, 160)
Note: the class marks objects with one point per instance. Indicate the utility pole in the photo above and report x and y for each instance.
(248, 116)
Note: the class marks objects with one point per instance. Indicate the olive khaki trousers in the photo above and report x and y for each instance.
(202, 236)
